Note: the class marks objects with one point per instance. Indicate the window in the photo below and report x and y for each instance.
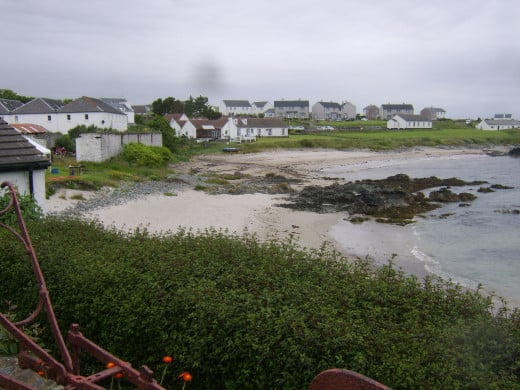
(68, 117)
(16, 118)
(103, 122)
(49, 118)
(86, 117)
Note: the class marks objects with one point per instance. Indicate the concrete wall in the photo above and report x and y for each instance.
(101, 147)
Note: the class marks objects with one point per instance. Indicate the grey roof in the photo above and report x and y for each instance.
(236, 103)
(434, 109)
(261, 123)
(291, 103)
(16, 153)
(39, 106)
(89, 104)
(503, 116)
(330, 105)
(142, 108)
(118, 103)
(260, 104)
(7, 105)
(502, 122)
(397, 106)
(410, 117)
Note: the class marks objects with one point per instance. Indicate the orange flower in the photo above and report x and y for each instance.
(185, 376)
(41, 373)
(118, 375)
(111, 364)
(167, 359)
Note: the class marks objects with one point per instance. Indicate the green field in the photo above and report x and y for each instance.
(388, 139)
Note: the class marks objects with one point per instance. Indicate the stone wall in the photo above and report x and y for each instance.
(97, 147)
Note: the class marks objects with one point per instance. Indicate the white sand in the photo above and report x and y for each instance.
(255, 213)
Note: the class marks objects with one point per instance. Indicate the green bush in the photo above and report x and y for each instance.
(238, 313)
(28, 206)
(147, 156)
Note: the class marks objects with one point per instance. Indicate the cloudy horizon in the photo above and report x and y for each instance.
(461, 56)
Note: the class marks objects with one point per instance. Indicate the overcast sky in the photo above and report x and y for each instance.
(461, 55)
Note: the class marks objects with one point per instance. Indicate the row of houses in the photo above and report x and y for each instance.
(289, 109)
(57, 116)
(235, 129)
(322, 110)
(387, 111)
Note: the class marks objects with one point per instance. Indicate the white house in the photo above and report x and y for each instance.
(177, 122)
(23, 163)
(250, 128)
(39, 111)
(235, 107)
(348, 110)
(56, 116)
(406, 121)
(433, 113)
(261, 107)
(89, 111)
(330, 111)
(298, 109)
(389, 110)
(498, 124)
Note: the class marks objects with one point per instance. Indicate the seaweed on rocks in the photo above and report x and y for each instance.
(396, 199)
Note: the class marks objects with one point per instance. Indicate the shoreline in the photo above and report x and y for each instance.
(258, 213)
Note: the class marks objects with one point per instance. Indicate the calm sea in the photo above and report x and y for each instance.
(479, 244)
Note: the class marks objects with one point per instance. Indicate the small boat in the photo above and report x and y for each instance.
(231, 150)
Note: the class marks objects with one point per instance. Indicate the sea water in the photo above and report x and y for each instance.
(477, 245)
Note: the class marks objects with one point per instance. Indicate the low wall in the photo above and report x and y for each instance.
(96, 147)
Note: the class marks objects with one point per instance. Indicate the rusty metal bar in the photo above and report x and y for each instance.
(68, 372)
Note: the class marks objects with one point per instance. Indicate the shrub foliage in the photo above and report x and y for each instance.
(147, 156)
(239, 313)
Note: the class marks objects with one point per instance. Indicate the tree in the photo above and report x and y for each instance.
(8, 94)
(199, 107)
(167, 106)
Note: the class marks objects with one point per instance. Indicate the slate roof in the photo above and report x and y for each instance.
(261, 123)
(397, 107)
(260, 104)
(17, 153)
(88, 104)
(39, 106)
(216, 123)
(7, 105)
(291, 103)
(330, 105)
(502, 122)
(118, 103)
(236, 103)
(410, 117)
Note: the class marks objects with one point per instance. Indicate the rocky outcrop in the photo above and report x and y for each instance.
(396, 199)
(515, 152)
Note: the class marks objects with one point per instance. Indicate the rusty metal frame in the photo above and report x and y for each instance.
(32, 356)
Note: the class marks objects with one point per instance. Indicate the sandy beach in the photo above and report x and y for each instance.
(255, 213)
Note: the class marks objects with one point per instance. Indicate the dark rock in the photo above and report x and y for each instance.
(485, 190)
(501, 187)
(515, 152)
(445, 195)
(396, 199)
